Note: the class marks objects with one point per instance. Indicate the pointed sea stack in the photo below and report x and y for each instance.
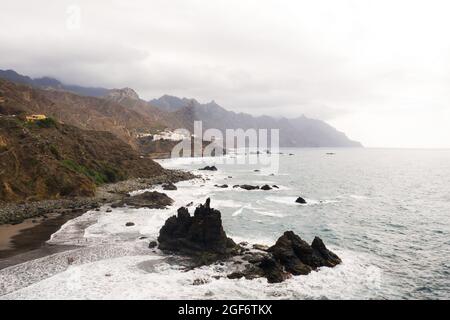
(200, 236)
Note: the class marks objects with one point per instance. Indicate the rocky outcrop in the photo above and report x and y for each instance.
(246, 187)
(300, 258)
(119, 94)
(209, 168)
(200, 236)
(272, 270)
(203, 239)
(249, 187)
(169, 186)
(223, 186)
(300, 200)
(149, 199)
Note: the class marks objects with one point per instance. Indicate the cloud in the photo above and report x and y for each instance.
(343, 61)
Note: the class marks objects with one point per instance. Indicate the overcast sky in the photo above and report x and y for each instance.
(377, 70)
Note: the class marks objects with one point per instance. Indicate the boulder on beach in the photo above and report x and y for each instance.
(300, 200)
(169, 186)
(148, 199)
(209, 168)
(200, 236)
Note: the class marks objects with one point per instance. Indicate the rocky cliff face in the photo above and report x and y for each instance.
(47, 160)
(83, 112)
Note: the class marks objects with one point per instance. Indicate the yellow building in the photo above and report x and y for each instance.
(35, 117)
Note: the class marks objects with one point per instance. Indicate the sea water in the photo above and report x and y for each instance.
(384, 212)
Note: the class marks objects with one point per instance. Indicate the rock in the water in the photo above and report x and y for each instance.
(200, 236)
(256, 170)
(266, 187)
(248, 187)
(273, 270)
(260, 247)
(300, 200)
(298, 257)
(169, 186)
(223, 186)
(236, 275)
(325, 256)
(148, 199)
(152, 244)
(275, 186)
(209, 168)
(129, 224)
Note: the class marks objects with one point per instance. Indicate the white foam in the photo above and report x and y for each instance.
(150, 277)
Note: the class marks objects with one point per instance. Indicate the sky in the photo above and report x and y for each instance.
(377, 70)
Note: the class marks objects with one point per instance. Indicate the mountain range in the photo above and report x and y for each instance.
(123, 113)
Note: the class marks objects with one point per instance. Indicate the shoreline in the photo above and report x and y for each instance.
(26, 227)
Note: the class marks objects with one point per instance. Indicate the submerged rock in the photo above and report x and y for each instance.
(209, 168)
(223, 186)
(200, 236)
(260, 247)
(300, 200)
(248, 187)
(169, 186)
(148, 199)
(152, 244)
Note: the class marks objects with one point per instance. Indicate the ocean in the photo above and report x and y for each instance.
(385, 212)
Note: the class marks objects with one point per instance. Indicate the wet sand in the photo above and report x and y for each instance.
(27, 240)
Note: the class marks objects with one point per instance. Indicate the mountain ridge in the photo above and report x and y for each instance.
(294, 132)
(124, 113)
